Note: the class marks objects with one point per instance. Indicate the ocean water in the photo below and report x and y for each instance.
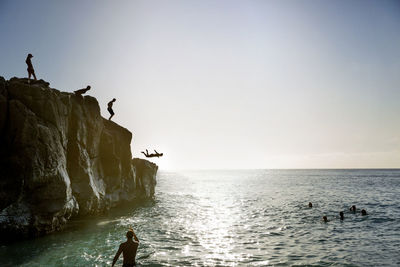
(239, 218)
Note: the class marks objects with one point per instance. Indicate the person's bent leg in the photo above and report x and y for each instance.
(111, 112)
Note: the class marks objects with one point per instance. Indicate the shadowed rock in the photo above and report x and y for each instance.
(145, 169)
(60, 159)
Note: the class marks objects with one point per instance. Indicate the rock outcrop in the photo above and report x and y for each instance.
(60, 159)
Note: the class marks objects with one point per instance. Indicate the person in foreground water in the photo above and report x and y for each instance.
(128, 250)
(309, 204)
(341, 215)
(325, 219)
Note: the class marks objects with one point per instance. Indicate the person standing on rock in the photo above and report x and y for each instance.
(110, 104)
(128, 250)
(31, 71)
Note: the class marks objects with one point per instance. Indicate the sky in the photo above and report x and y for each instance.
(226, 84)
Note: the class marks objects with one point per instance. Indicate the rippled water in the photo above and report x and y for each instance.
(239, 218)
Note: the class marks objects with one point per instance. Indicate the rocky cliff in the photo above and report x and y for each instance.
(60, 159)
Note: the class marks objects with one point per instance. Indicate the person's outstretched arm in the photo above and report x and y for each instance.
(117, 255)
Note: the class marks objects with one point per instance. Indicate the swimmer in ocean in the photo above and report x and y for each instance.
(364, 212)
(353, 208)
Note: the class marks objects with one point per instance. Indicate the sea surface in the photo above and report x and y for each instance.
(239, 218)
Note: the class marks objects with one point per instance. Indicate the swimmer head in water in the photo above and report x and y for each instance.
(363, 212)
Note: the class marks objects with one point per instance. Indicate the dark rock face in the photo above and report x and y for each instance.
(59, 159)
(145, 169)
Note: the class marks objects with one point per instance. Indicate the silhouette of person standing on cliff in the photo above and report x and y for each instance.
(31, 71)
(128, 250)
(152, 155)
(82, 91)
(110, 104)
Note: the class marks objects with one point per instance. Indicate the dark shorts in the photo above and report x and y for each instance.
(111, 111)
(31, 71)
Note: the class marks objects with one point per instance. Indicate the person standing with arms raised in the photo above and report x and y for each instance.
(31, 71)
(128, 250)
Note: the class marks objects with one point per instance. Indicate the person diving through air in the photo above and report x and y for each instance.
(152, 155)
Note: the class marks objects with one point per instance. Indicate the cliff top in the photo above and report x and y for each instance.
(35, 91)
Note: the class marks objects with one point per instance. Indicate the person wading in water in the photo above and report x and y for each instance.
(31, 71)
(128, 250)
(110, 104)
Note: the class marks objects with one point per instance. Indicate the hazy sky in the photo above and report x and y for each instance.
(226, 84)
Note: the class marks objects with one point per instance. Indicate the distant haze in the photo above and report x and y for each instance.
(226, 84)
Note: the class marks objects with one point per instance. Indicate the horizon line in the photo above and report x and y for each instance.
(276, 169)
